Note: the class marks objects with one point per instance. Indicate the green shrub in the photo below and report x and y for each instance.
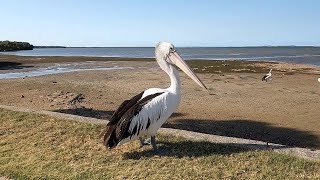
(15, 46)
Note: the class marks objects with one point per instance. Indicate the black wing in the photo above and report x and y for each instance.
(118, 128)
(123, 108)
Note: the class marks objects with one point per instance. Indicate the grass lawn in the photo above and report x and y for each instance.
(37, 146)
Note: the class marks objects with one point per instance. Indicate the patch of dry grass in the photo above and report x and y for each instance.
(38, 146)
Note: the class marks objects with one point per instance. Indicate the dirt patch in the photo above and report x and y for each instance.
(290, 69)
(69, 99)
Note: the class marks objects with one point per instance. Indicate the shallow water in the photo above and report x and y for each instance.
(58, 69)
(303, 55)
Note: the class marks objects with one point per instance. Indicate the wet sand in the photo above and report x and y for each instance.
(236, 104)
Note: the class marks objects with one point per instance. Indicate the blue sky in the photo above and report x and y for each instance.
(144, 23)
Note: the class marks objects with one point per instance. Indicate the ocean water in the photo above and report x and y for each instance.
(302, 55)
(59, 68)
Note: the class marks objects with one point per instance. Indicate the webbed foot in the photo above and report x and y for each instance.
(144, 142)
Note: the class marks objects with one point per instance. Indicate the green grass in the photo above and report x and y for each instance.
(35, 146)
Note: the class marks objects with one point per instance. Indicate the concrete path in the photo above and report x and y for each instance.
(194, 136)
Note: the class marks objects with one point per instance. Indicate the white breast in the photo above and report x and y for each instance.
(156, 112)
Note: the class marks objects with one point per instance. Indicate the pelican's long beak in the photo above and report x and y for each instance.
(178, 61)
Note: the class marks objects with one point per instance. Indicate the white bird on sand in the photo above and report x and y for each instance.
(145, 113)
(318, 79)
(267, 76)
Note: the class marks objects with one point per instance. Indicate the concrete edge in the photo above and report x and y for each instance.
(194, 136)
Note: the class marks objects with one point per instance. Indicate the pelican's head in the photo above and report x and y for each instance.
(167, 55)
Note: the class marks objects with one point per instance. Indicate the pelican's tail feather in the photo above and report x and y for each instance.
(109, 137)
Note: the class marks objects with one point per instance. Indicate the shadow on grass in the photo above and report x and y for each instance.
(87, 112)
(96, 113)
(12, 65)
(182, 149)
(248, 129)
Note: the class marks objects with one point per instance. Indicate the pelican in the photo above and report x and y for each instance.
(267, 76)
(144, 114)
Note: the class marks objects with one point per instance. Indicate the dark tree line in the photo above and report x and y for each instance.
(15, 46)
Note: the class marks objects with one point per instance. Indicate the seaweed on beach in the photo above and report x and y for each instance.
(228, 66)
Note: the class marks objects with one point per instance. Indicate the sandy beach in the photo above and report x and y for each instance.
(236, 104)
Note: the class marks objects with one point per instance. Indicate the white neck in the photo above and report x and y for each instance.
(172, 73)
(175, 80)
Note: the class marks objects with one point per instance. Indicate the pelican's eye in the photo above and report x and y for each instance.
(172, 49)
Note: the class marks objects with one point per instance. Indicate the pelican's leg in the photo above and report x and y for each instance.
(141, 141)
(157, 150)
(154, 144)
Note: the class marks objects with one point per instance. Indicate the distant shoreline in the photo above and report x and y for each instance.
(178, 46)
(49, 47)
